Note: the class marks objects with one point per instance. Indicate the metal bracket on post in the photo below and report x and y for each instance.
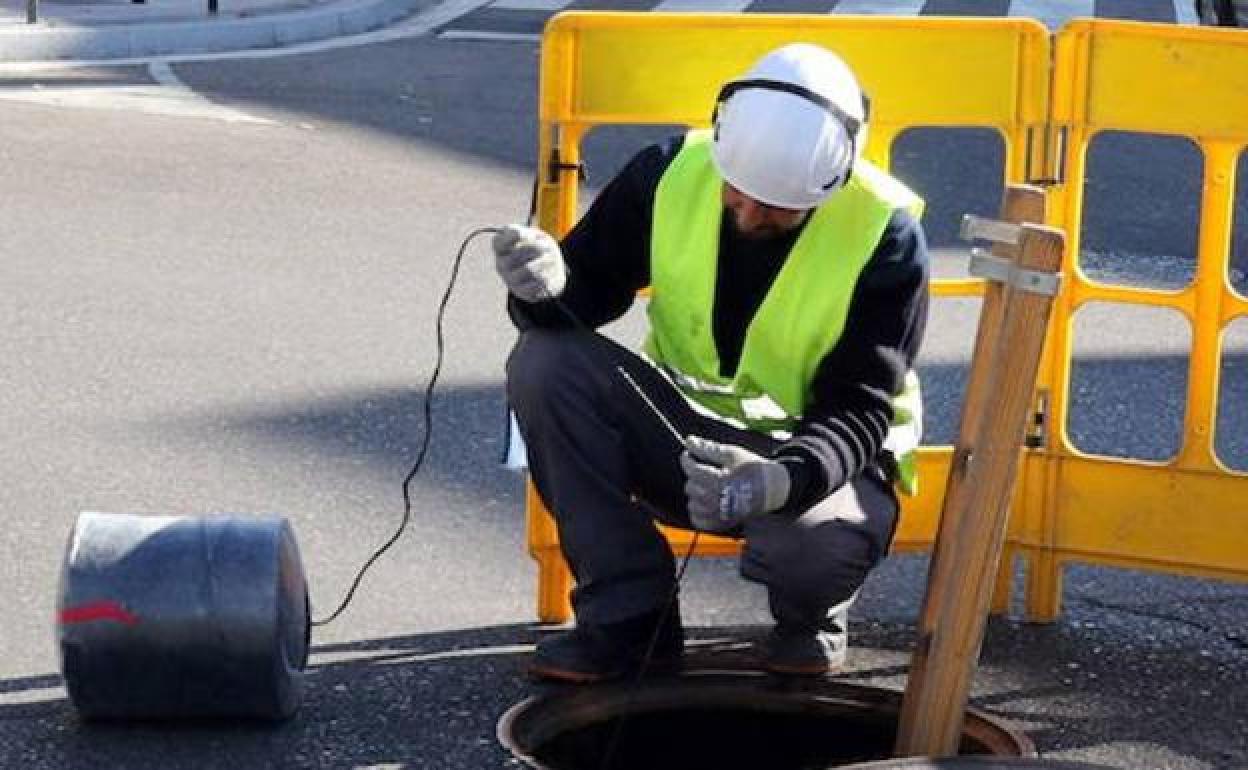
(986, 266)
(556, 164)
(993, 268)
(983, 229)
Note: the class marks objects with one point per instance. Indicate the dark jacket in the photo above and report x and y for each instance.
(843, 428)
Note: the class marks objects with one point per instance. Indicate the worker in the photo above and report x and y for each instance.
(773, 396)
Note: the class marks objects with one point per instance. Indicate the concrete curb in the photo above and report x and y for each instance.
(123, 41)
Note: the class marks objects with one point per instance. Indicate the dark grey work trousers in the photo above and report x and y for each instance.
(607, 467)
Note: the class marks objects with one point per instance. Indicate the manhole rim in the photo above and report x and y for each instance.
(577, 706)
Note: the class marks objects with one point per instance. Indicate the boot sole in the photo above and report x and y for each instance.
(833, 665)
(546, 671)
(814, 670)
(551, 673)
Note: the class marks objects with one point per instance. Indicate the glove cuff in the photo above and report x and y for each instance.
(776, 486)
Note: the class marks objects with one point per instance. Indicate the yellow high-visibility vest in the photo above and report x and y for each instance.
(800, 319)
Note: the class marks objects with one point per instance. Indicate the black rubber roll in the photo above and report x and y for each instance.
(183, 616)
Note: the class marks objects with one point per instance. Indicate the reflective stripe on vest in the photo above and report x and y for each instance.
(803, 314)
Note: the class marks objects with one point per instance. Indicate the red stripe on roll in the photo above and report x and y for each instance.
(85, 613)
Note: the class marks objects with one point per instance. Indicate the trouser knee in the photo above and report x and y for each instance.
(822, 557)
(530, 360)
(541, 365)
(822, 579)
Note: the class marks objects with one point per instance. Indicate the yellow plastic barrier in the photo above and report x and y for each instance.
(1185, 516)
(1188, 515)
(657, 68)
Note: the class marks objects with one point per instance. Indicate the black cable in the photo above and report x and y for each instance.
(424, 449)
(425, 438)
(428, 413)
(618, 730)
(533, 202)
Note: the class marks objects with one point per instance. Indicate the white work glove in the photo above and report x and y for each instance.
(530, 263)
(726, 484)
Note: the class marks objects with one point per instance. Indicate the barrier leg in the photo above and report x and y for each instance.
(1044, 588)
(1002, 590)
(554, 581)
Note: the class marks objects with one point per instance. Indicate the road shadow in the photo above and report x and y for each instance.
(413, 701)
(378, 432)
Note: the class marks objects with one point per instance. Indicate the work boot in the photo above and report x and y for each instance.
(799, 645)
(599, 653)
(804, 652)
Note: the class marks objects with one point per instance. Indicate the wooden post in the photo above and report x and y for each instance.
(1020, 203)
(981, 481)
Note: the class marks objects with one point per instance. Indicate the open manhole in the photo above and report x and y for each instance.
(727, 721)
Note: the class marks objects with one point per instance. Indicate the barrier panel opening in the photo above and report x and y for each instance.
(605, 150)
(1128, 390)
(957, 171)
(1237, 269)
(1231, 445)
(944, 365)
(1141, 220)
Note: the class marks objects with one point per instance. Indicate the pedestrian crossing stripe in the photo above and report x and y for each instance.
(522, 20)
(888, 7)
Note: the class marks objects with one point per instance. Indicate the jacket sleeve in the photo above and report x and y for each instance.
(608, 251)
(845, 424)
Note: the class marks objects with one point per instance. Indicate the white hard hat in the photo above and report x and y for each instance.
(787, 133)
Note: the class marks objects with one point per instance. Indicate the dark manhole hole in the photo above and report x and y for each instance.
(724, 721)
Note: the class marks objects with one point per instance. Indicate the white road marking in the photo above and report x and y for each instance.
(415, 26)
(703, 6)
(486, 35)
(880, 7)
(162, 73)
(169, 97)
(531, 5)
(1053, 13)
(1185, 12)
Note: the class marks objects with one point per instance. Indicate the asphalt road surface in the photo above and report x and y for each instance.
(220, 282)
